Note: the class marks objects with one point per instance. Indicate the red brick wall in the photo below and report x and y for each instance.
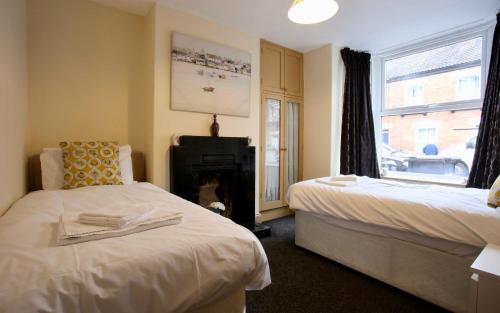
(438, 88)
(452, 128)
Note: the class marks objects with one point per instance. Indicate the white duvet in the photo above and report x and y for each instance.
(167, 269)
(456, 214)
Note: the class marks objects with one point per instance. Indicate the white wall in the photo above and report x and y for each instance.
(13, 101)
(168, 122)
(86, 79)
(149, 54)
(323, 88)
(318, 95)
(338, 79)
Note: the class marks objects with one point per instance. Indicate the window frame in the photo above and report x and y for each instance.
(426, 46)
(483, 28)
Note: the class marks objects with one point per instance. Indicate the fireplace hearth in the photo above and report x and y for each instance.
(206, 169)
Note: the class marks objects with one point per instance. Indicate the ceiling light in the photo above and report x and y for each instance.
(312, 11)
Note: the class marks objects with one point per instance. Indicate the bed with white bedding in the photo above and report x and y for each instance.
(177, 268)
(420, 238)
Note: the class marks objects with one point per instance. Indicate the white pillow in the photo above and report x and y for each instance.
(125, 158)
(51, 161)
(53, 168)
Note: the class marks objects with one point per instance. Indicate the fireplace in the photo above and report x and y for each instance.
(216, 169)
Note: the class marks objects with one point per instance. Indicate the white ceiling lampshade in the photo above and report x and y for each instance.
(312, 11)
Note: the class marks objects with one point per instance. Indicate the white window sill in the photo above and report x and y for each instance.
(421, 181)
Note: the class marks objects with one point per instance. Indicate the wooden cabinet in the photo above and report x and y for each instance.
(293, 73)
(281, 123)
(272, 68)
(281, 70)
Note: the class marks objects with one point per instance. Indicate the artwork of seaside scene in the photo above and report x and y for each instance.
(209, 77)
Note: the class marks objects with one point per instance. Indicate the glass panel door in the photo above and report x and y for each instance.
(272, 144)
(292, 143)
(272, 192)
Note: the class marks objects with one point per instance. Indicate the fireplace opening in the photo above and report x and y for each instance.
(216, 187)
(217, 169)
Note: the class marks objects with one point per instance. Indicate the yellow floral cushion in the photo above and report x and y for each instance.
(494, 195)
(90, 163)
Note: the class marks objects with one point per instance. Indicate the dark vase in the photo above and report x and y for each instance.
(214, 129)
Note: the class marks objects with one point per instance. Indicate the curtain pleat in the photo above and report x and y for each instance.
(486, 165)
(358, 153)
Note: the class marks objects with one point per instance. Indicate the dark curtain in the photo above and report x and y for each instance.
(358, 153)
(486, 165)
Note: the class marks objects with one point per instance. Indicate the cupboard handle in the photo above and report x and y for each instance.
(282, 149)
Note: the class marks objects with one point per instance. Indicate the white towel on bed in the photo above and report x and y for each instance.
(336, 183)
(72, 231)
(344, 178)
(118, 215)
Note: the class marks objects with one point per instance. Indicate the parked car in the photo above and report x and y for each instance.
(438, 165)
(394, 159)
(402, 161)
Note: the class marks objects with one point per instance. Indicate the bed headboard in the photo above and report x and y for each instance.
(35, 170)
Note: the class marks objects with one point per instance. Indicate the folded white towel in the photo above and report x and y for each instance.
(341, 183)
(344, 178)
(72, 231)
(118, 215)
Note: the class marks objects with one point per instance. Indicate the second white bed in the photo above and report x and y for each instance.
(448, 214)
(419, 238)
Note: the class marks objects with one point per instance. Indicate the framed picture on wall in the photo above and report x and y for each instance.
(209, 77)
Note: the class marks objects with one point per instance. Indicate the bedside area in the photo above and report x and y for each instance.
(485, 281)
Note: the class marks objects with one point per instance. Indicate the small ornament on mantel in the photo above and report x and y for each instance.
(214, 129)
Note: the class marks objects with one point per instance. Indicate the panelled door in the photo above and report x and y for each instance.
(293, 74)
(272, 68)
(272, 147)
(281, 146)
(293, 142)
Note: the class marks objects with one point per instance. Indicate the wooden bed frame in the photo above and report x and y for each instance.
(35, 170)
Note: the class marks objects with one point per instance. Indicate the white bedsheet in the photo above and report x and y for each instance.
(167, 269)
(456, 214)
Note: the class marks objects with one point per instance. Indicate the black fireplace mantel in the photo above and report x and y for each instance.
(196, 155)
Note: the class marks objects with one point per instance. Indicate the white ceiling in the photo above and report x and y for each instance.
(360, 24)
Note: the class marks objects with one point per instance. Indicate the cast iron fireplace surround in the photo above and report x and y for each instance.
(200, 158)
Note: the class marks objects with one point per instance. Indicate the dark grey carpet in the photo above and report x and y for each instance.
(304, 282)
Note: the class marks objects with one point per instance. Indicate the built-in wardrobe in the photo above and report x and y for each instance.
(282, 103)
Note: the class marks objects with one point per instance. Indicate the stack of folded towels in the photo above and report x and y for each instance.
(338, 181)
(117, 219)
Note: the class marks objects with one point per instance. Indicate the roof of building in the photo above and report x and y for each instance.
(459, 55)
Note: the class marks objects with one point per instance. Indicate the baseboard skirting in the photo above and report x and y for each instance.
(268, 215)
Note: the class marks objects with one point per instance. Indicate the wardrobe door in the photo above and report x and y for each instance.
(272, 148)
(293, 142)
(293, 74)
(272, 67)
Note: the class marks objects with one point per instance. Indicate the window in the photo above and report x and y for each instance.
(427, 141)
(431, 97)
(385, 136)
(414, 95)
(469, 87)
